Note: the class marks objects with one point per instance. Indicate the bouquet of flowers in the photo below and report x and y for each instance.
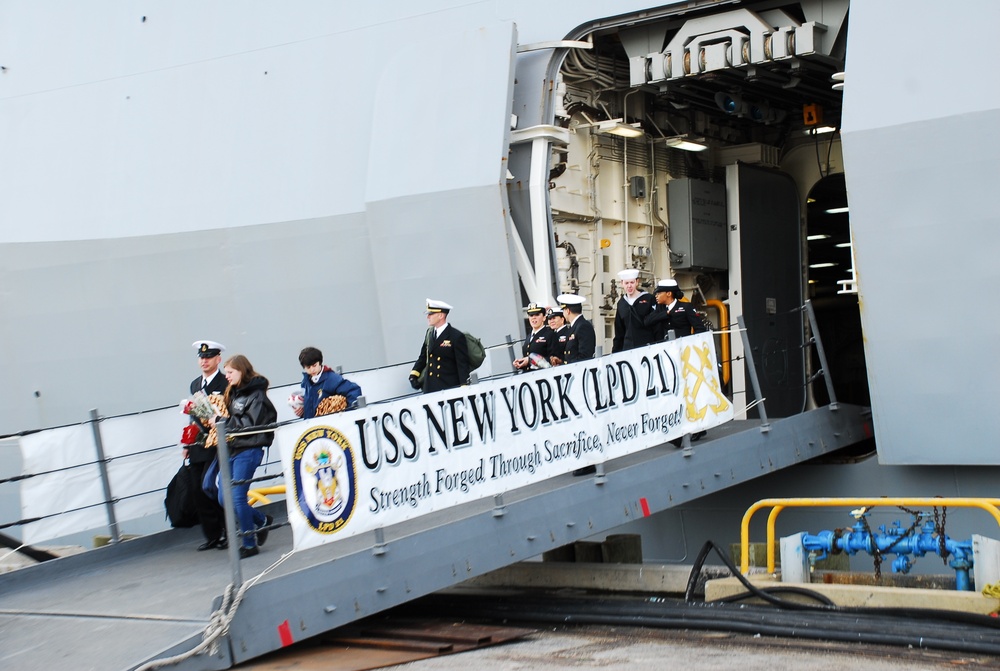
(189, 436)
(202, 407)
(199, 406)
(538, 361)
(297, 399)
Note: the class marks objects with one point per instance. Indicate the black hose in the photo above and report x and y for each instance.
(825, 604)
(834, 625)
(823, 620)
(752, 590)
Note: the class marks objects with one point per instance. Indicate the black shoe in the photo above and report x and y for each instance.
(222, 544)
(263, 531)
(208, 545)
(586, 470)
(249, 552)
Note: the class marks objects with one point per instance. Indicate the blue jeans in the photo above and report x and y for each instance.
(243, 466)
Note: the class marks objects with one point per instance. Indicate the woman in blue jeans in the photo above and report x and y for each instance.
(248, 405)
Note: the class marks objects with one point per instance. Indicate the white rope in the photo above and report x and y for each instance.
(218, 622)
(13, 551)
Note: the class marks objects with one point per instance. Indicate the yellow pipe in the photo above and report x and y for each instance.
(992, 506)
(726, 354)
(255, 496)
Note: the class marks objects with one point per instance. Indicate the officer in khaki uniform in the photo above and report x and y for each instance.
(444, 357)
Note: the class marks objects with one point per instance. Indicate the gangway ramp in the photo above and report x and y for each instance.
(145, 599)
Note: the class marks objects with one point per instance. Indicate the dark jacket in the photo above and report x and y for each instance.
(559, 338)
(539, 342)
(249, 406)
(198, 453)
(582, 341)
(630, 328)
(682, 319)
(330, 383)
(445, 361)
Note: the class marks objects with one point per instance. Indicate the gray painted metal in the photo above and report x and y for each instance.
(155, 593)
(920, 155)
(317, 204)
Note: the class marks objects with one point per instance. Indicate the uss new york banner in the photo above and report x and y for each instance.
(376, 466)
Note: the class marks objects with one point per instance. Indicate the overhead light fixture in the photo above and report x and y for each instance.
(822, 265)
(838, 210)
(683, 144)
(819, 236)
(819, 130)
(618, 127)
(843, 245)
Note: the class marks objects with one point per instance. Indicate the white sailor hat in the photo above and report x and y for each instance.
(628, 274)
(208, 348)
(437, 306)
(570, 299)
(666, 285)
(535, 309)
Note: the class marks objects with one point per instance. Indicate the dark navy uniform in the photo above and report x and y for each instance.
(559, 338)
(581, 342)
(630, 328)
(210, 513)
(682, 318)
(444, 360)
(538, 342)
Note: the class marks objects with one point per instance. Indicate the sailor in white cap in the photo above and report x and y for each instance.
(539, 341)
(582, 340)
(211, 381)
(444, 357)
(671, 314)
(633, 308)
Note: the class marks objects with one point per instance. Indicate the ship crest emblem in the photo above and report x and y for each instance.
(325, 482)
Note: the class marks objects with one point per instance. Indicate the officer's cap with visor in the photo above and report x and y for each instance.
(669, 285)
(437, 306)
(208, 348)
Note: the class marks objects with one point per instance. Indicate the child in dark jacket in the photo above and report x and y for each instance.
(319, 382)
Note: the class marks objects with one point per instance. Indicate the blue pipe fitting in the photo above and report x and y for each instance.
(897, 541)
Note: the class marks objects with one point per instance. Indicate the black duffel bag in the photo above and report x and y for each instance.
(179, 501)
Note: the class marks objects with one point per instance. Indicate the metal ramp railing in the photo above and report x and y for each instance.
(151, 598)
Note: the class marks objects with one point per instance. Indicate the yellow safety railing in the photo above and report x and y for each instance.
(255, 496)
(726, 355)
(992, 506)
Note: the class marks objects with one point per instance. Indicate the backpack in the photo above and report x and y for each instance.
(477, 353)
(179, 503)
